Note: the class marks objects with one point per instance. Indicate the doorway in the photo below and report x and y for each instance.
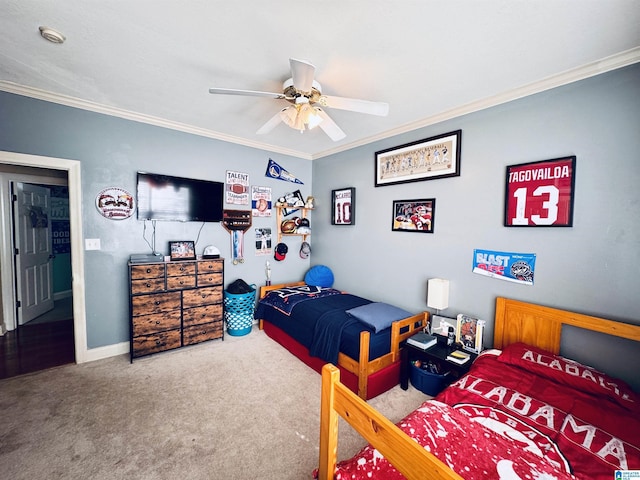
(43, 334)
(63, 327)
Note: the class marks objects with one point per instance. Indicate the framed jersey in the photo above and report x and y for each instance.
(540, 194)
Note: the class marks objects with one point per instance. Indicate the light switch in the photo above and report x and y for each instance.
(92, 244)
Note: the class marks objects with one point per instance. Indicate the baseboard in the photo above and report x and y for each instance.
(61, 295)
(107, 351)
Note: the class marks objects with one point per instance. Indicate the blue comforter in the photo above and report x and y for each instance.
(317, 324)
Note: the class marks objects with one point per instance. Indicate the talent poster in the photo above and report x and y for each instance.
(509, 266)
(237, 188)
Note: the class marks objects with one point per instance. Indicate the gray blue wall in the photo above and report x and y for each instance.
(590, 267)
(111, 151)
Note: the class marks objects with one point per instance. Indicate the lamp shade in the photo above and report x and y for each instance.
(438, 293)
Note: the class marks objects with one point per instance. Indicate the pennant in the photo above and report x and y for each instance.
(512, 267)
(276, 171)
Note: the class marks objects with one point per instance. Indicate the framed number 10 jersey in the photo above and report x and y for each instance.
(540, 194)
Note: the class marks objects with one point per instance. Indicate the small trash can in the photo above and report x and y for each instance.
(238, 312)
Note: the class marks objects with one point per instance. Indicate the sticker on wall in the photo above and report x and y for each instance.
(512, 267)
(237, 190)
(276, 171)
(115, 203)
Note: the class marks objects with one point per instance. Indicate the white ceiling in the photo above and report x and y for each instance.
(154, 60)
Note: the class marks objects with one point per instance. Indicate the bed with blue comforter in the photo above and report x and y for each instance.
(324, 325)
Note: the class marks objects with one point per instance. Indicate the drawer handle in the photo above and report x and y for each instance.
(158, 342)
(181, 282)
(157, 322)
(182, 269)
(158, 302)
(148, 285)
(148, 270)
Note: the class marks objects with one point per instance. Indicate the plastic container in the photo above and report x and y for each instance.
(238, 312)
(427, 382)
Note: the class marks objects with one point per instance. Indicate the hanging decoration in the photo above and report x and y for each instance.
(237, 189)
(115, 203)
(512, 267)
(276, 171)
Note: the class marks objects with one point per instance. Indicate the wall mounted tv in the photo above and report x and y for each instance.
(168, 198)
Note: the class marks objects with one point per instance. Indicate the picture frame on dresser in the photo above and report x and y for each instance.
(182, 250)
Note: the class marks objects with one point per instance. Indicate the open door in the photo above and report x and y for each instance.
(33, 250)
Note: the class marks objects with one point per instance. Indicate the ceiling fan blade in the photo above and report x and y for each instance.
(251, 93)
(271, 123)
(330, 127)
(302, 74)
(363, 106)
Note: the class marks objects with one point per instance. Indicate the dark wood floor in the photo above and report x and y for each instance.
(36, 346)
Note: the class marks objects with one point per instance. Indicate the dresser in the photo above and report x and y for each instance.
(175, 304)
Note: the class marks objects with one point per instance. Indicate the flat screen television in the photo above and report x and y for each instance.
(178, 199)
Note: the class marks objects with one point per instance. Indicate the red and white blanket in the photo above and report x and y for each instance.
(522, 414)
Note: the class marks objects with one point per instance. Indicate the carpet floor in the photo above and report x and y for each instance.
(242, 408)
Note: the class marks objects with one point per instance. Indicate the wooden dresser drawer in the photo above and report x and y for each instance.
(179, 283)
(208, 266)
(159, 342)
(157, 322)
(201, 333)
(152, 270)
(155, 303)
(213, 278)
(181, 268)
(147, 285)
(201, 296)
(198, 315)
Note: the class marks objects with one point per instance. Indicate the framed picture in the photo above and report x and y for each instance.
(413, 215)
(183, 250)
(343, 206)
(294, 201)
(440, 325)
(469, 333)
(540, 194)
(435, 157)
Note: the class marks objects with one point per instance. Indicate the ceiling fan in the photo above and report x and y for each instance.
(307, 103)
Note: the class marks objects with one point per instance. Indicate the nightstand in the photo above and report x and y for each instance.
(437, 354)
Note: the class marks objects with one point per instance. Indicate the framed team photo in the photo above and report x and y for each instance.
(540, 194)
(413, 215)
(344, 206)
(428, 159)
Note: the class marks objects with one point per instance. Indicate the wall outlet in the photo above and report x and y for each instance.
(92, 244)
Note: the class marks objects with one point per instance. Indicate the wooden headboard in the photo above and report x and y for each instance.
(517, 321)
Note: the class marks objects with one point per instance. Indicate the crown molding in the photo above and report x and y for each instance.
(614, 62)
(604, 65)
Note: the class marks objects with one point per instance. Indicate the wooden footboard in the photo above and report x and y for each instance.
(363, 368)
(406, 455)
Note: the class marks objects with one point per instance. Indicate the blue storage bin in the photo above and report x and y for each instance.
(238, 312)
(427, 382)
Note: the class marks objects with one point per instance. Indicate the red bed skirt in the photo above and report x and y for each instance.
(379, 382)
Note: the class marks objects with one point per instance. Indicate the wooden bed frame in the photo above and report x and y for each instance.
(515, 321)
(364, 368)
